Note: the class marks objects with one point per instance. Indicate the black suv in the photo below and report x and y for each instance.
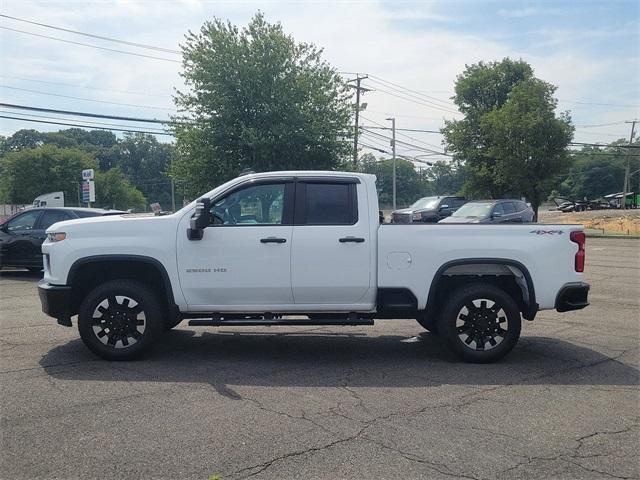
(492, 211)
(428, 210)
(21, 235)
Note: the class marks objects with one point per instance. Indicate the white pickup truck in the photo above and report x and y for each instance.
(305, 248)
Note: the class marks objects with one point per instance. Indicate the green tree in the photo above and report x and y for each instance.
(528, 142)
(142, 158)
(145, 161)
(445, 178)
(101, 144)
(409, 186)
(596, 172)
(30, 172)
(257, 100)
(510, 141)
(481, 88)
(113, 190)
(22, 139)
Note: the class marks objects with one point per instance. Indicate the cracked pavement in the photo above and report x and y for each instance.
(329, 402)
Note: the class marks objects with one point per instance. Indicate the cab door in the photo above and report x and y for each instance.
(19, 245)
(330, 255)
(243, 262)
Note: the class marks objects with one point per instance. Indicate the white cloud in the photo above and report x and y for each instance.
(415, 45)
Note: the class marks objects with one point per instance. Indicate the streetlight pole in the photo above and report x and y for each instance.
(393, 147)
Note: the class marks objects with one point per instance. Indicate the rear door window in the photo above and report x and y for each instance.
(509, 207)
(330, 204)
(499, 209)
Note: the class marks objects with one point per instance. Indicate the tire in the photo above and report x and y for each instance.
(120, 319)
(473, 320)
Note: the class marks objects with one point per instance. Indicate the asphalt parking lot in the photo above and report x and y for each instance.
(359, 402)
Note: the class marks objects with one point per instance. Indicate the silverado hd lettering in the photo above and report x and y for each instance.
(304, 248)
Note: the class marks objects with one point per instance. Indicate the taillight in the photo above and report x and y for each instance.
(579, 238)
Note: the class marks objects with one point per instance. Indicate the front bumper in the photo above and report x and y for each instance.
(56, 301)
(572, 296)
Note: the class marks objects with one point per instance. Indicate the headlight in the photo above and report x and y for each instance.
(56, 237)
(416, 216)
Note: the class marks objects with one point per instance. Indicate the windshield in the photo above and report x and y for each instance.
(478, 210)
(426, 202)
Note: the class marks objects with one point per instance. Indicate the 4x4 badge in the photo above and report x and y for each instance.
(546, 232)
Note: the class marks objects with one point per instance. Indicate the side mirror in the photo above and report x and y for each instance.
(496, 215)
(442, 207)
(201, 219)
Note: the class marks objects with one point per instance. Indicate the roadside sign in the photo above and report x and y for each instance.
(88, 191)
(87, 174)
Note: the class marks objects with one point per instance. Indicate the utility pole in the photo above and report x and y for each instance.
(393, 150)
(359, 89)
(625, 187)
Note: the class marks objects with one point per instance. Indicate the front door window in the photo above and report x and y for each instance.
(257, 205)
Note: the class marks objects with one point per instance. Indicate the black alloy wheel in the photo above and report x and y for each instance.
(480, 322)
(120, 319)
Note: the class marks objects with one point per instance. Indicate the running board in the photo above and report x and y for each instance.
(209, 322)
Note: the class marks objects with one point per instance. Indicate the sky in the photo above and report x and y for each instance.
(412, 52)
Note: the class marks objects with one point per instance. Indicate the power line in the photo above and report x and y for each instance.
(418, 147)
(602, 145)
(86, 114)
(84, 99)
(402, 129)
(600, 125)
(375, 148)
(92, 46)
(83, 126)
(415, 100)
(395, 86)
(13, 77)
(100, 37)
(601, 104)
(89, 123)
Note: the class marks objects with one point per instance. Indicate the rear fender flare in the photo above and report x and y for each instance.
(520, 272)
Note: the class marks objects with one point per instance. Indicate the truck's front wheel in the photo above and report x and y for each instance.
(481, 323)
(120, 319)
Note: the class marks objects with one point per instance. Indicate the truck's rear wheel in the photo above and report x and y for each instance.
(120, 319)
(481, 323)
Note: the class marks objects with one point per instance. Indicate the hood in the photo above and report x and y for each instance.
(110, 224)
(402, 211)
(413, 210)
